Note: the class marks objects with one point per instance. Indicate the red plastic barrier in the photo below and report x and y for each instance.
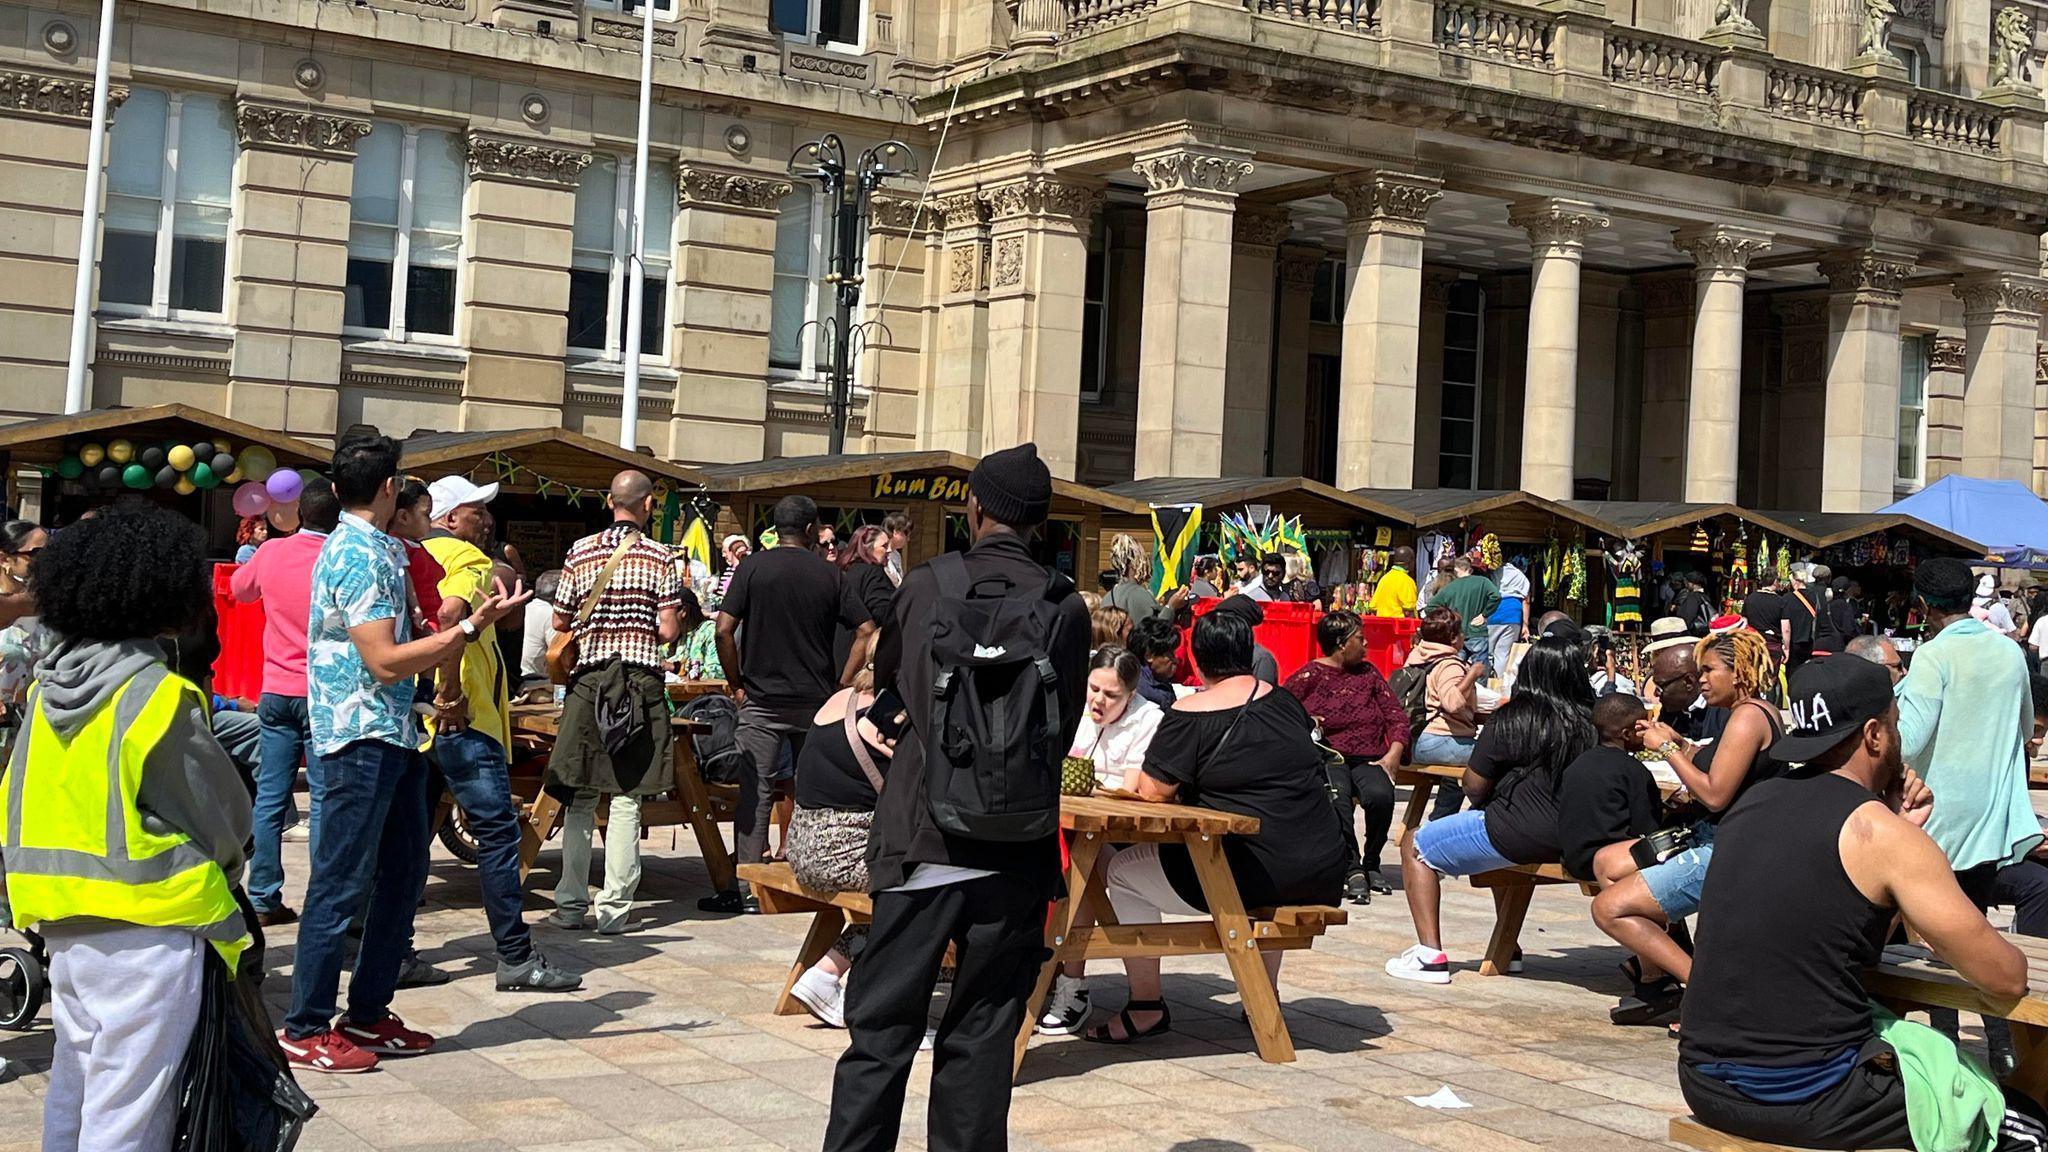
(1388, 640)
(1289, 633)
(238, 673)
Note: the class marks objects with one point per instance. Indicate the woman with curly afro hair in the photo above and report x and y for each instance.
(129, 916)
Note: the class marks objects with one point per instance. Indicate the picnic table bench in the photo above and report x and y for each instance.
(1693, 1134)
(1910, 978)
(775, 885)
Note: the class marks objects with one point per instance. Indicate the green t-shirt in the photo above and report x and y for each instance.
(1471, 597)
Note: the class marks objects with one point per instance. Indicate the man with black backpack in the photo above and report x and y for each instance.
(989, 652)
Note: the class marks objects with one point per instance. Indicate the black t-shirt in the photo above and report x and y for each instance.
(1607, 795)
(1801, 613)
(1692, 607)
(788, 602)
(1521, 816)
(1270, 768)
(864, 595)
(829, 776)
(1763, 609)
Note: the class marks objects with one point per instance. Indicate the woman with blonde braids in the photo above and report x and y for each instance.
(1133, 591)
(1638, 908)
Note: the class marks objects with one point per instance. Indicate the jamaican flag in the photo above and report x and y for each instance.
(696, 536)
(1174, 530)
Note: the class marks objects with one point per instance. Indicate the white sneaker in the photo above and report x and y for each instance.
(296, 834)
(1422, 965)
(822, 993)
(1066, 1010)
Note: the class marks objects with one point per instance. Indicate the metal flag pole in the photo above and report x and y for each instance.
(636, 263)
(89, 221)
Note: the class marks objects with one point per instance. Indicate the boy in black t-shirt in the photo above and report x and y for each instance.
(1608, 797)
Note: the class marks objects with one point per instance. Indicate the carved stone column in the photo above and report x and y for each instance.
(1297, 281)
(724, 286)
(1859, 454)
(293, 173)
(2001, 319)
(953, 408)
(1382, 313)
(1946, 358)
(1185, 334)
(1721, 255)
(1557, 231)
(1038, 229)
(1248, 381)
(889, 364)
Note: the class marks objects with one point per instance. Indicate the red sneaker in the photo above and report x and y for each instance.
(329, 1052)
(387, 1037)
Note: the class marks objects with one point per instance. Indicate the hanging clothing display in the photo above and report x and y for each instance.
(1625, 566)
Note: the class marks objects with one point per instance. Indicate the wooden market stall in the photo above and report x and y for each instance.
(931, 486)
(1559, 546)
(1346, 535)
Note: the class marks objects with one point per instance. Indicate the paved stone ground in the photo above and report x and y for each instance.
(671, 1045)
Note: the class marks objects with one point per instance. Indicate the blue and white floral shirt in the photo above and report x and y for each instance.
(359, 578)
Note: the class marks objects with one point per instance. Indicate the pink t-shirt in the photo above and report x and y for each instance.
(281, 575)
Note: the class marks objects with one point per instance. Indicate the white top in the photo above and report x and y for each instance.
(1120, 745)
(2039, 637)
(1514, 583)
(533, 644)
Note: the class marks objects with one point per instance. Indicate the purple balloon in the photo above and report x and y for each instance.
(251, 500)
(284, 485)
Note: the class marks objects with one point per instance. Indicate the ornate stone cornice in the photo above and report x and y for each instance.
(2002, 296)
(1397, 201)
(273, 127)
(955, 210)
(524, 162)
(46, 96)
(897, 211)
(1556, 227)
(1042, 195)
(1261, 225)
(1201, 171)
(698, 187)
(1721, 249)
(1875, 277)
(1298, 264)
(1947, 354)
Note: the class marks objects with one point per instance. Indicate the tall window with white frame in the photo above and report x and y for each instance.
(1458, 422)
(826, 23)
(598, 280)
(170, 184)
(798, 305)
(1912, 456)
(405, 235)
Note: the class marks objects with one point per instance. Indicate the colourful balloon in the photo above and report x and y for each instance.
(181, 457)
(91, 455)
(257, 462)
(70, 468)
(167, 477)
(222, 463)
(202, 475)
(284, 485)
(203, 450)
(184, 486)
(120, 451)
(151, 458)
(251, 500)
(109, 476)
(233, 476)
(135, 476)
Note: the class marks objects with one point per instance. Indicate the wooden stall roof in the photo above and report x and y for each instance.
(1289, 494)
(557, 453)
(1637, 519)
(1427, 507)
(44, 441)
(798, 471)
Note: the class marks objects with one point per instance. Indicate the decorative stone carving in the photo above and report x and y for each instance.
(1720, 249)
(1875, 278)
(1436, 287)
(1298, 264)
(2012, 46)
(270, 127)
(622, 30)
(52, 97)
(1391, 200)
(1216, 172)
(1009, 262)
(1948, 354)
(1801, 311)
(711, 187)
(1806, 359)
(1917, 11)
(2001, 296)
(1666, 293)
(963, 269)
(1042, 195)
(1261, 225)
(499, 158)
(1734, 15)
(1556, 227)
(830, 65)
(961, 209)
(308, 75)
(1877, 28)
(897, 212)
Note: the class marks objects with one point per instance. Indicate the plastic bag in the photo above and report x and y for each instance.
(237, 1093)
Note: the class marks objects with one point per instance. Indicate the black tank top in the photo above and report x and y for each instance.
(829, 777)
(1761, 769)
(1784, 935)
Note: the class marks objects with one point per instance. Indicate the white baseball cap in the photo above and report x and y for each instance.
(452, 492)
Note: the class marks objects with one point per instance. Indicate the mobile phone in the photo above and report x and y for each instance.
(887, 714)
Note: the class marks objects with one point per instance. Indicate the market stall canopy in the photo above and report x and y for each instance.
(548, 460)
(935, 475)
(1505, 511)
(1318, 504)
(42, 443)
(2003, 514)
(1641, 519)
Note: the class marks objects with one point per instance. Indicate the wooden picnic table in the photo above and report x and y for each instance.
(1911, 978)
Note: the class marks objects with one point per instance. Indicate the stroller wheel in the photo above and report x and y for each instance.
(21, 988)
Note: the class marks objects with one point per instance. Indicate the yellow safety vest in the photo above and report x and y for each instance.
(76, 846)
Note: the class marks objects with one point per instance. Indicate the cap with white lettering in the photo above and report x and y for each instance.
(1831, 699)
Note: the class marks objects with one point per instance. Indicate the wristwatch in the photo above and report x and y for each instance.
(469, 631)
(1666, 748)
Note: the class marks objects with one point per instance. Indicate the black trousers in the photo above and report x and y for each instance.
(2023, 887)
(1365, 782)
(997, 927)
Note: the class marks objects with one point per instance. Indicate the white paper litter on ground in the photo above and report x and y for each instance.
(1442, 1099)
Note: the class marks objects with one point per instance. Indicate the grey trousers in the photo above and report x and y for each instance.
(763, 734)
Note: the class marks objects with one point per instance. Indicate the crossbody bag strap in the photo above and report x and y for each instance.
(860, 748)
(604, 578)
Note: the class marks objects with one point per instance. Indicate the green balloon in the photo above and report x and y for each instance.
(70, 468)
(202, 475)
(135, 476)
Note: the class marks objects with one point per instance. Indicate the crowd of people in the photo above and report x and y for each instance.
(919, 717)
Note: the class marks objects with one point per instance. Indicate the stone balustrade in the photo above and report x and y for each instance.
(1085, 16)
(1800, 92)
(1663, 63)
(1346, 15)
(1489, 30)
(1953, 122)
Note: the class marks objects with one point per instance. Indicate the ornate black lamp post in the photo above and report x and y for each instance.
(848, 193)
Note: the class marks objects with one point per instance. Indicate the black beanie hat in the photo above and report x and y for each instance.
(1013, 485)
(1245, 606)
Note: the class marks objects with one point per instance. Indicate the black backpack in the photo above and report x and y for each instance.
(1410, 685)
(718, 751)
(993, 747)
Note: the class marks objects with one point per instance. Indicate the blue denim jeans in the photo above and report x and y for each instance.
(282, 744)
(478, 776)
(1436, 748)
(369, 844)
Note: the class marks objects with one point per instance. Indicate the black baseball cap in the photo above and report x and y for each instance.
(1832, 698)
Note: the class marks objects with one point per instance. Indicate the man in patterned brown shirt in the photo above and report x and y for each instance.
(619, 662)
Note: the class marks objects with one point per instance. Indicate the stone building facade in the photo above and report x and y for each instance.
(1671, 249)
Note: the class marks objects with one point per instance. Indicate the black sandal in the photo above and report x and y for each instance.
(1100, 1034)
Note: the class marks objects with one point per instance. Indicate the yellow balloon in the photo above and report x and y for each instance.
(184, 486)
(257, 462)
(220, 446)
(180, 457)
(234, 477)
(91, 455)
(120, 451)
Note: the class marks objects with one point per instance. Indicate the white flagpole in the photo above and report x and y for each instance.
(89, 222)
(636, 265)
